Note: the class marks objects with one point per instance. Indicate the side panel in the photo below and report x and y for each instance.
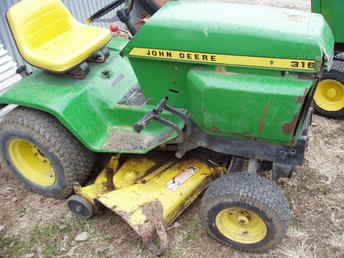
(163, 79)
(265, 108)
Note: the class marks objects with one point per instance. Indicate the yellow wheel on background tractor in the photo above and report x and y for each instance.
(42, 154)
(246, 212)
(329, 95)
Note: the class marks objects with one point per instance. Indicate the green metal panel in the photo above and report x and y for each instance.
(220, 28)
(225, 28)
(316, 6)
(333, 11)
(89, 108)
(264, 108)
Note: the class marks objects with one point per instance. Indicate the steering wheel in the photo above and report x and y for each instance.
(151, 6)
(108, 8)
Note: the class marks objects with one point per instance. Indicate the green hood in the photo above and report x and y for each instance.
(237, 30)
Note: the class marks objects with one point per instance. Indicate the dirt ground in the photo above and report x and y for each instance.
(34, 226)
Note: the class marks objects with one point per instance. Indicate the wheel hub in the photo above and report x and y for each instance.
(243, 220)
(31, 162)
(332, 93)
(39, 155)
(80, 206)
(241, 225)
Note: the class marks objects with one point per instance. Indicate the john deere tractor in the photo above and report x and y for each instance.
(329, 98)
(188, 102)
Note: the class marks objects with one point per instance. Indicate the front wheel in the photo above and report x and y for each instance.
(42, 154)
(246, 212)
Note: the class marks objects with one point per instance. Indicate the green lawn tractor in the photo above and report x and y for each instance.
(329, 97)
(200, 97)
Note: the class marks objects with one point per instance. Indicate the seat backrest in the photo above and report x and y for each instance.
(36, 22)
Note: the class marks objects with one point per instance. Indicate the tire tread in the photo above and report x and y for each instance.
(76, 160)
(254, 190)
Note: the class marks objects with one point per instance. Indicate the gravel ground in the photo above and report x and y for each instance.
(34, 226)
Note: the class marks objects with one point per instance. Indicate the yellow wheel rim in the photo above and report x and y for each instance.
(241, 225)
(31, 162)
(330, 95)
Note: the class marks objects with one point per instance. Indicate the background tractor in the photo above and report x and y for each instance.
(329, 97)
(164, 115)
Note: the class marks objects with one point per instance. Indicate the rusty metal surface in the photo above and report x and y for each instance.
(289, 128)
(302, 98)
(264, 116)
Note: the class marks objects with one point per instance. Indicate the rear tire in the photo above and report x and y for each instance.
(246, 212)
(42, 154)
(329, 96)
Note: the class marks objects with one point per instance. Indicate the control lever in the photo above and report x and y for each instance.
(143, 122)
(124, 17)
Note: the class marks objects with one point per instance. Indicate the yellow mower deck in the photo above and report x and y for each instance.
(149, 192)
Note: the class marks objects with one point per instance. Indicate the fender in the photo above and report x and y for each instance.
(88, 108)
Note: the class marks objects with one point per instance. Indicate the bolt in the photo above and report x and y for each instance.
(179, 155)
(78, 208)
(243, 220)
(106, 74)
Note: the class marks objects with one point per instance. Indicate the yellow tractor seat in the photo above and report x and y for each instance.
(48, 36)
